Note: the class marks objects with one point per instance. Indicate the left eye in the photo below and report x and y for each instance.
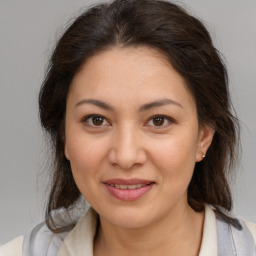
(159, 121)
(95, 120)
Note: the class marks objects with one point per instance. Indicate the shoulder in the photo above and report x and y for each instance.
(224, 238)
(252, 227)
(236, 235)
(12, 248)
(42, 241)
(39, 241)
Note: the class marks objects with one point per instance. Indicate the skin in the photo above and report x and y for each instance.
(127, 142)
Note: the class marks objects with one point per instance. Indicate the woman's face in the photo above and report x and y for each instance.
(132, 136)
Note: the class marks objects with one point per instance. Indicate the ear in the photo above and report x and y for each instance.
(66, 151)
(206, 134)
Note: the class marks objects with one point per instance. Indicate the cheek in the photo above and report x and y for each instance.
(175, 150)
(85, 155)
(175, 157)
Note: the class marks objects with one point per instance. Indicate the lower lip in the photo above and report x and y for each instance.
(129, 194)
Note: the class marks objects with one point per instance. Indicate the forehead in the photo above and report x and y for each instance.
(131, 74)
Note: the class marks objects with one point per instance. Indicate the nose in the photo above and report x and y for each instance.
(127, 148)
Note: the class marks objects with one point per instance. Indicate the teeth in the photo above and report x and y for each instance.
(134, 186)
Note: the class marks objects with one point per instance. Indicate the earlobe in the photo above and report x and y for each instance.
(205, 139)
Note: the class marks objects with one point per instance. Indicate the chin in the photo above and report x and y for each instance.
(126, 218)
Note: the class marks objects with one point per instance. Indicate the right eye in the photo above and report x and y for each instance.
(95, 121)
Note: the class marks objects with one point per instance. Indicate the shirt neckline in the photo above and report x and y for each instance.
(81, 238)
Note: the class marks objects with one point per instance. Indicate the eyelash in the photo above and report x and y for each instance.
(166, 118)
(87, 118)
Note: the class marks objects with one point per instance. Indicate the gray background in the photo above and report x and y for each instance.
(28, 31)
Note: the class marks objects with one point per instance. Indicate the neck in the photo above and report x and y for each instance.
(179, 233)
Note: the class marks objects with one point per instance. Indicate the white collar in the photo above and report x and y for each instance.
(80, 239)
(209, 240)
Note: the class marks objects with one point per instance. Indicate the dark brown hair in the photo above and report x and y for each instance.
(187, 44)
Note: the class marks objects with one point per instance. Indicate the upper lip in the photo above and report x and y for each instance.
(133, 181)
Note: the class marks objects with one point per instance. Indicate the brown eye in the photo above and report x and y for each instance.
(97, 120)
(158, 121)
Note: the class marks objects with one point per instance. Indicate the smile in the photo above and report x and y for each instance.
(128, 190)
(135, 186)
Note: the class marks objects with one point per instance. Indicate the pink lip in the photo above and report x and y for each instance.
(128, 194)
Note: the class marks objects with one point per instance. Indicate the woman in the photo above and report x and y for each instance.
(137, 106)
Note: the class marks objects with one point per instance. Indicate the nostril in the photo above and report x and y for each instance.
(126, 159)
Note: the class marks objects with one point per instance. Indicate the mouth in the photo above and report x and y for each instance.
(135, 186)
(128, 190)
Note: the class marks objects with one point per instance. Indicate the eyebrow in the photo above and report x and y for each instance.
(98, 103)
(157, 103)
